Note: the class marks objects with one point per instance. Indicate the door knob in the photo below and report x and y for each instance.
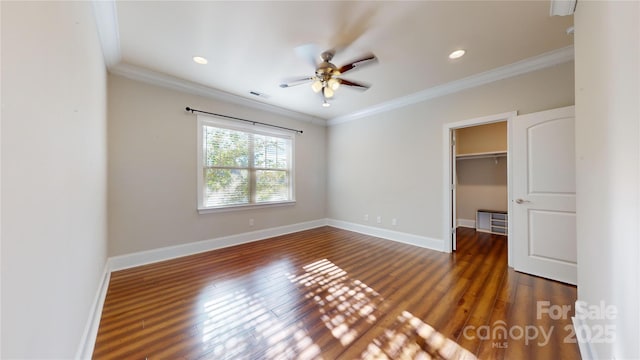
(521, 201)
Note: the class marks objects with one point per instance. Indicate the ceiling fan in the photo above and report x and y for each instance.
(327, 77)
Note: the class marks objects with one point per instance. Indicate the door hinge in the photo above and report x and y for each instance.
(453, 231)
(452, 187)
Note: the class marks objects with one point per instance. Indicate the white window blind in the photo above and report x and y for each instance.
(242, 166)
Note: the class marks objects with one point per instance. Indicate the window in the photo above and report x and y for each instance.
(242, 166)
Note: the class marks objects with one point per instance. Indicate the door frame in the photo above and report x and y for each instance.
(449, 221)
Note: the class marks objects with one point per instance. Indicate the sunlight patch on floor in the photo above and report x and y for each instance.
(342, 301)
(345, 302)
(238, 323)
(411, 338)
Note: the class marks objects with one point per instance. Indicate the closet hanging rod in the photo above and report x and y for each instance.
(245, 120)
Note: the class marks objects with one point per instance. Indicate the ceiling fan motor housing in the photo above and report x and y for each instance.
(326, 70)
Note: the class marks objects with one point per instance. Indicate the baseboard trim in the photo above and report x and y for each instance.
(126, 261)
(587, 351)
(405, 238)
(122, 262)
(88, 340)
(466, 223)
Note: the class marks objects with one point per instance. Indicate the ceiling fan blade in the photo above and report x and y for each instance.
(348, 26)
(356, 85)
(310, 53)
(365, 60)
(296, 81)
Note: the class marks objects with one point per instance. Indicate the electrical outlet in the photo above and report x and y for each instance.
(379, 219)
(251, 222)
(394, 222)
(366, 217)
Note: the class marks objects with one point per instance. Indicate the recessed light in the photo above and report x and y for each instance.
(457, 54)
(200, 60)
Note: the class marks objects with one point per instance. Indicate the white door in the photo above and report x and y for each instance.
(544, 195)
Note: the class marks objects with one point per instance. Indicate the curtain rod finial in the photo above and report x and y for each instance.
(188, 109)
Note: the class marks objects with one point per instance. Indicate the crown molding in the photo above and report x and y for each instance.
(106, 16)
(167, 81)
(555, 57)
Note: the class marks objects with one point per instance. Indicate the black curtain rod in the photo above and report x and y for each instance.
(245, 120)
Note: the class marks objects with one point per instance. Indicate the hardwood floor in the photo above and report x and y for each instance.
(334, 294)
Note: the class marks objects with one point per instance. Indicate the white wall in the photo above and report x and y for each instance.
(481, 184)
(53, 176)
(607, 45)
(152, 170)
(390, 164)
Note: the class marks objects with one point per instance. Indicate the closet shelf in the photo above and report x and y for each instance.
(482, 155)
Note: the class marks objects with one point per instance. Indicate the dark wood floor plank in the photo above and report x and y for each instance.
(332, 294)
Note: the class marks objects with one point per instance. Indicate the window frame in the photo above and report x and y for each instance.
(203, 121)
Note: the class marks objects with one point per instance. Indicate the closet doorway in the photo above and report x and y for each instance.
(481, 177)
(477, 181)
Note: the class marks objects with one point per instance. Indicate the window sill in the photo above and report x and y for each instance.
(244, 207)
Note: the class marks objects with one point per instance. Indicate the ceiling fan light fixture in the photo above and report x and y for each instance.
(316, 86)
(457, 54)
(326, 104)
(334, 84)
(328, 92)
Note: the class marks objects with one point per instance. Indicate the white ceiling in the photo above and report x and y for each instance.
(251, 45)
